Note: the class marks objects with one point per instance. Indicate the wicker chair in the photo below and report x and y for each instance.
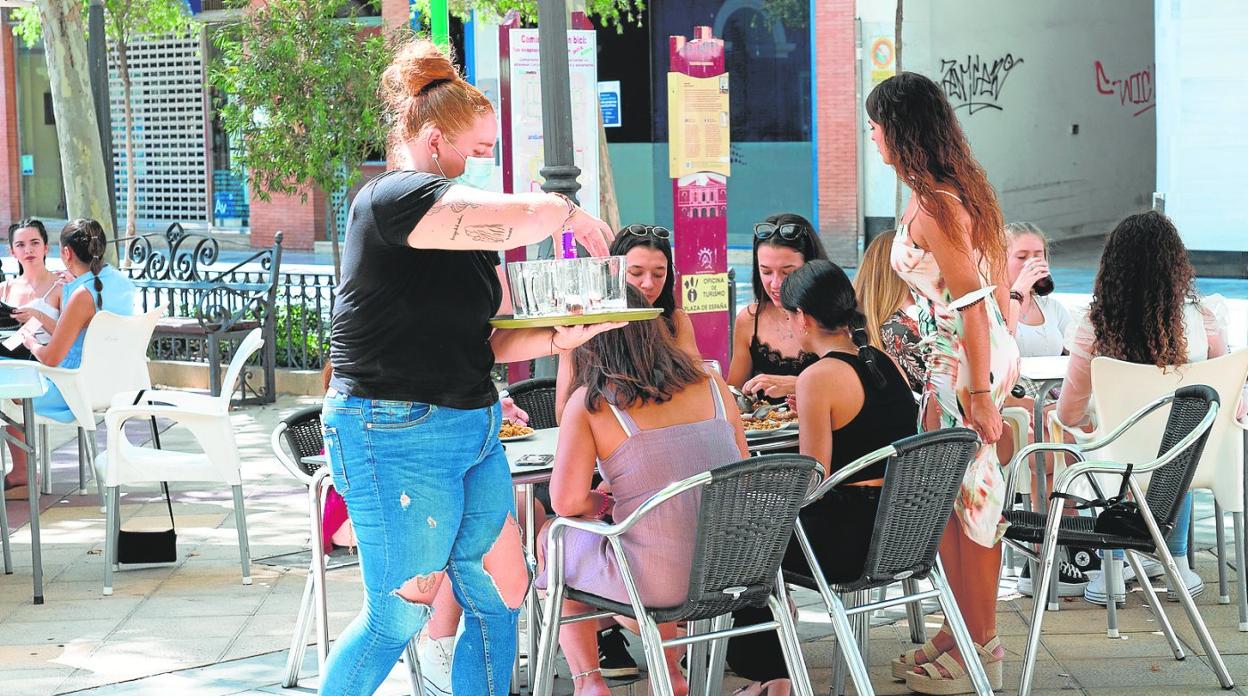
(537, 397)
(923, 477)
(295, 438)
(301, 435)
(1193, 410)
(744, 526)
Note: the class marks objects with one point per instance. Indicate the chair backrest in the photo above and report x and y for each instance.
(1121, 388)
(537, 397)
(744, 526)
(114, 360)
(251, 343)
(921, 481)
(1168, 484)
(297, 436)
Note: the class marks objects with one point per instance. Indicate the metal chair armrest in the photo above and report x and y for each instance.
(614, 530)
(1127, 424)
(1023, 455)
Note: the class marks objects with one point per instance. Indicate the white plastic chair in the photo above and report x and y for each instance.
(208, 420)
(1120, 388)
(114, 360)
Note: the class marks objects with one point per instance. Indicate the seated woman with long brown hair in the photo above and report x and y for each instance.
(644, 414)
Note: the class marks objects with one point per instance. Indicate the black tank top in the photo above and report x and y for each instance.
(888, 414)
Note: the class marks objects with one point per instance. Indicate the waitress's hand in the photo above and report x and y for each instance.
(773, 386)
(512, 412)
(568, 338)
(1033, 270)
(985, 418)
(593, 234)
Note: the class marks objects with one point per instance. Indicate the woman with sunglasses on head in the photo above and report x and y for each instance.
(766, 355)
(647, 252)
(950, 249)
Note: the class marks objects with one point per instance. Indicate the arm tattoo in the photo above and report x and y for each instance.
(455, 231)
(454, 206)
(488, 233)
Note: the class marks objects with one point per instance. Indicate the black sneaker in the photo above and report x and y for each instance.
(1084, 559)
(1070, 581)
(613, 657)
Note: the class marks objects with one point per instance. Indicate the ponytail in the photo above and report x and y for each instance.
(85, 238)
(866, 352)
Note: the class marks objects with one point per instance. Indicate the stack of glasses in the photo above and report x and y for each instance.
(563, 287)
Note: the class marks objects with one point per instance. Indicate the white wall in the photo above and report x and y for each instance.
(1037, 79)
(1202, 119)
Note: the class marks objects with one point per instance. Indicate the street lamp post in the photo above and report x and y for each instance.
(97, 60)
(560, 170)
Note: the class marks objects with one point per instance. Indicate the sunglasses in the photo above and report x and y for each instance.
(788, 231)
(649, 231)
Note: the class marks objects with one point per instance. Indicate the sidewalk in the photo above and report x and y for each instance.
(193, 629)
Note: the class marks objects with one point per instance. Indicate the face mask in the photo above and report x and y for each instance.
(478, 171)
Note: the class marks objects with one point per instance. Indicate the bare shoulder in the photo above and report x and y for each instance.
(745, 317)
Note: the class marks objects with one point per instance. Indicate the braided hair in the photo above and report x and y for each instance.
(86, 239)
(32, 223)
(823, 291)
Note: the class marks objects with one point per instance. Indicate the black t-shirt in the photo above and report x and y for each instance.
(411, 324)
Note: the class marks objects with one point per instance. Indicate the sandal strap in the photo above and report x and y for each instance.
(930, 671)
(987, 649)
(928, 651)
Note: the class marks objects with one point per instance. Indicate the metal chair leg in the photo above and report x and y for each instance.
(790, 644)
(45, 461)
(1224, 594)
(82, 461)
(1111, 570)
(839, 663)
(110, 538)
(697, 656)
(1241, 580)
(1043, 577)
(4, 528)
(656, 661)
(299, 640)
(914, 612)
(240, 523)
(718, 656)
(412, 657)
(1185, 598)
(544, 678)
(1150, 598)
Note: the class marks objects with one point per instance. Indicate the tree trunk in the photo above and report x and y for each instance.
(897, 210)
(132, 187)
(78, 137)
(609, 205)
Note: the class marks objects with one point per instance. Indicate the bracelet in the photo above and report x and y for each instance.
(1016, 295)
(973, 392)
(554, 347)
(965, 307)
(603, 506)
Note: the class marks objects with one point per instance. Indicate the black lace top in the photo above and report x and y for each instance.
(765, 360)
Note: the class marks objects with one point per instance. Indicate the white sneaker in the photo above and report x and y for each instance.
(1095, 591)
(436, 656)
(1194, 584)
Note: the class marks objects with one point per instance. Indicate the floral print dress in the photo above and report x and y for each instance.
(947, 383)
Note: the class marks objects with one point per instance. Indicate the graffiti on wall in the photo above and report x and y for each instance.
(1135, 90)
(975, 83)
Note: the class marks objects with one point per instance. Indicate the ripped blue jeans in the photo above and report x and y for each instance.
(428, 489)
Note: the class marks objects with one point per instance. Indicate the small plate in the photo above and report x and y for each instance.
(517, 438)
(636, 314)
(787, 427)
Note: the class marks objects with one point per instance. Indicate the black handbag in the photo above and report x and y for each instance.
(150, 547)
(1118, 516)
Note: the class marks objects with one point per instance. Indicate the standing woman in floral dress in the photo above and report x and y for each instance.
(950, 248)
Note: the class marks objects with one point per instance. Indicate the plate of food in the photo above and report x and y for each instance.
(771, 423)
(510, 432)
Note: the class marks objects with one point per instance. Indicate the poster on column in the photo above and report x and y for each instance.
(526, 116)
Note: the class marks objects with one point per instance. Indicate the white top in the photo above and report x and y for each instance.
(40, 304)
(1048, 338)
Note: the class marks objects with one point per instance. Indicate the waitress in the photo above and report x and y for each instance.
(411, 416)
